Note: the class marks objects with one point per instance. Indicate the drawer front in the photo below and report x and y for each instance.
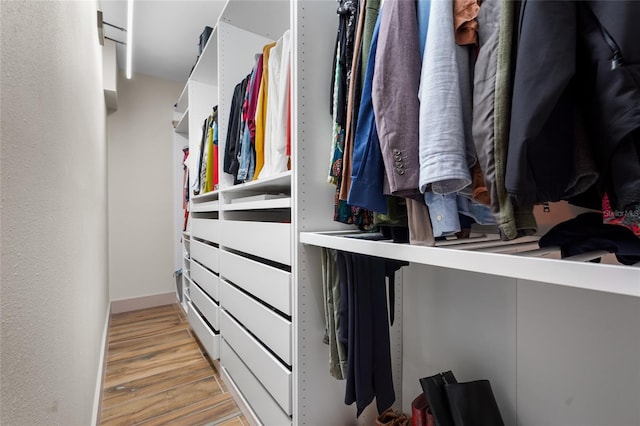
(270, 284)
(207, 337)
(205, 229)
(207, 280)
(207, 307)
(264, 323)
(268, 370)
(267, 410)
(205, 254)
(264, 239)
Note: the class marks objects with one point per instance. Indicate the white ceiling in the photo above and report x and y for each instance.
(165, 33)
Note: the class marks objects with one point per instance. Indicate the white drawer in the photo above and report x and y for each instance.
(264, 239)
(206, 279)
(207, 307)
(270, 284)
(205, 254)
(210, 341)
(268, 411)
(205, 229)
(274, 376)
(272, 329)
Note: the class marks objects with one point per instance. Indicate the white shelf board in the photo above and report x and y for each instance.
(277, 203)
(208, 196)
(280, 182)
(183, 100)
(268, 18)
(600, 277)
(207, 206)
(183, 124)
(206, 69)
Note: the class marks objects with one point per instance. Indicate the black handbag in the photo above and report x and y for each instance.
(473, 404)
(461, 404)
(434, 389)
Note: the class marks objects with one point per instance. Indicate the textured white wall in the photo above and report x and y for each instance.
(53, 176)
(141, 188)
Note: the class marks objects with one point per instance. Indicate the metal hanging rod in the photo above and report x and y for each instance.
(117, 41)
(114, 26)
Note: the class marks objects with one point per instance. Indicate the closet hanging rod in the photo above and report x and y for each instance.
(114, 26)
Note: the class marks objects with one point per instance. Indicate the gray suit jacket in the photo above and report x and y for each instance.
(395, 96)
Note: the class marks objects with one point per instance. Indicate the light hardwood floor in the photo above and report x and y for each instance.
(156, 374)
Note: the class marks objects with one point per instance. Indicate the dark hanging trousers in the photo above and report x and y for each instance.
(367, 334)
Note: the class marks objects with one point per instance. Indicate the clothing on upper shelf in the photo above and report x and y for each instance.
(234, 130)
(630, 217)
(367, 171)
(473, 100)
(207, 164)
(587, 233)
(277, 119)
(196, 186)
(343, 60)
(394, 93)
(592, 48)
(261, 109)
(444, 163)
(212, 158)
(247, 152)
(185, 186)
(258, 143)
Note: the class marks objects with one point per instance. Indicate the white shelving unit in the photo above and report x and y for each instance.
(559, 339)
(183, 124)
(527, 265)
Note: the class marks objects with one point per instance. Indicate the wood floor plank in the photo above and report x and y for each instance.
(158, 373)
(140, 409)
(125, 392)
(157, 311)
(153, 363)
(236, 421)
(213, 414)
(141, 323)
(137, 347)
(148, 330)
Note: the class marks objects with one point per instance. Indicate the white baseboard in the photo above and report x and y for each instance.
(126, 305)
(97, 398)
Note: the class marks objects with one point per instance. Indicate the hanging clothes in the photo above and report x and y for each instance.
(353, 93)
(235, 131)
(444, 167)
(216, 154)
(369, 372)
(394, 93)
(195, 185)
(261, 110)
(348, 13)
(592, 48)
(204, 152)
(211, 163)
(248, 154)
(368, 168)
(276, 130)
(491, 114)
(332, 300)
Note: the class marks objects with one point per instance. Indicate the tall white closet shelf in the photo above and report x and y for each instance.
(559, 339)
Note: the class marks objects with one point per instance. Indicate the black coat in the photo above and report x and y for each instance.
(577, 75)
